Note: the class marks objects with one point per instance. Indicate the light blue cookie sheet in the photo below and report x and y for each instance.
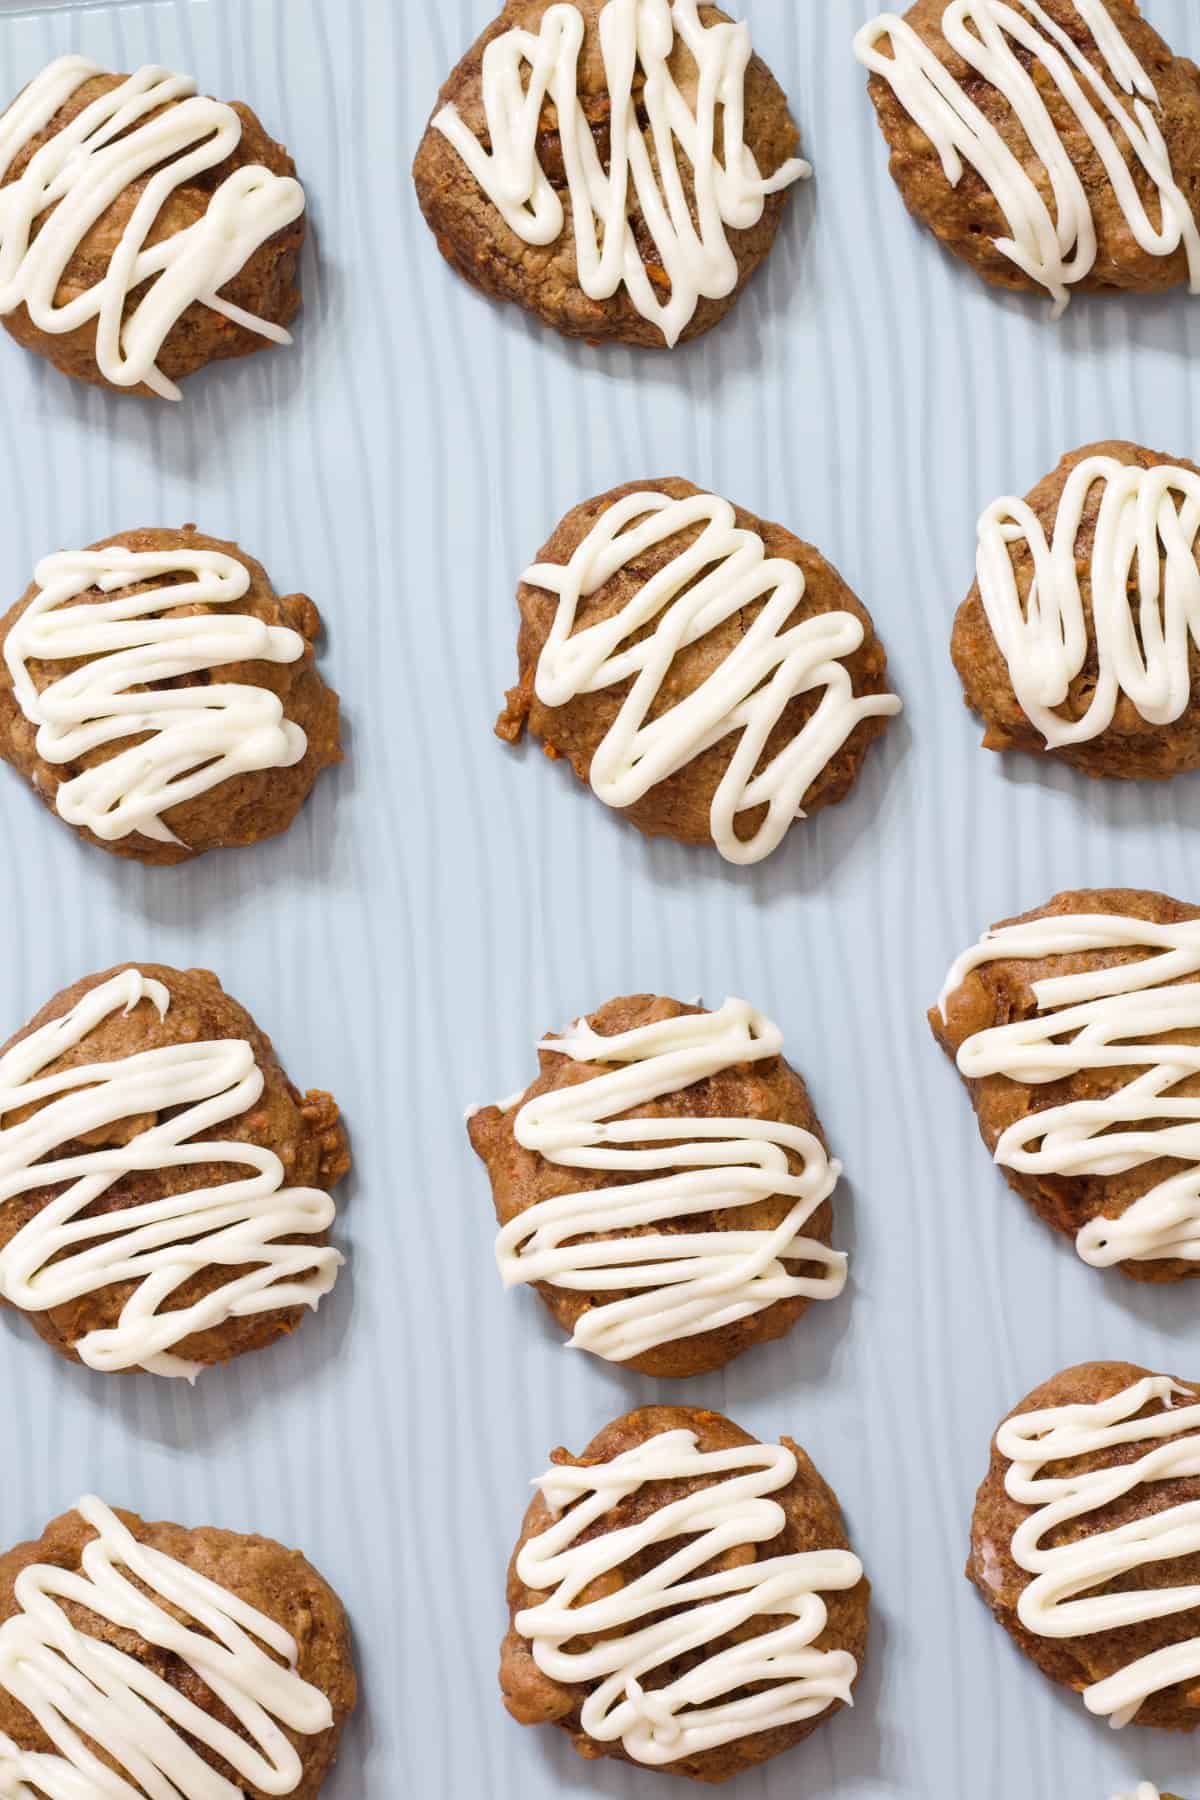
(444, 900)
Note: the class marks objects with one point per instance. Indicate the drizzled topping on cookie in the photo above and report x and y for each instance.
(87, 1695)
(1117, 108)
(152, 127)
(1125, 1017)
(1142, 612)
(1083, 1585)
(673, 1284)
(614, 1632)
(251, 1225)
(183, 740)
(687, 209)
(709, 581)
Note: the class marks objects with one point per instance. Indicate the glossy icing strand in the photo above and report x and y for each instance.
(251, 1224)
(88, 1695)
(706, 583)
(69, 183)
(637, 1625)
(1122, 1017)
(185, 740)
(1143, 583)
(1116, 106)
(1061, 1600)
(638, 40)
(675, 1284)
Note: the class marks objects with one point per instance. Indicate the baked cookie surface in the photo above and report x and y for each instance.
(195, 258)
(160, 696)
(176, 1615)
(713, 711)
(675, 243)
(1076, 1029)
(1078, 639)
(781, 1590)
(1086, 1528)
(654, 1242)
(124, 1244)
(1051, 145)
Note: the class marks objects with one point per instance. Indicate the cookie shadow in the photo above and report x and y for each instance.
(565, 1772)
(222, 885)
(234, 1401)
(1146, 1753)
(737, 349)
(1156, 324)
(349, 1779)
(1160, 1309)
(859, 1738)
(832, 843)
(1112, 805)
(1166, 1307)
(1093, 322)
(774, 1379)
(259, 397)
(845, 1754)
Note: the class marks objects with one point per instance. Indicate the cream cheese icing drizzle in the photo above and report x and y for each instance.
(243, 1225)
(1146, 1791)
(644, 171)
(1117, 108)
(72, 180)
(84, 1692)
(706, 583)
(1114, 1018)
(1058, 1601)
(632, 1640)
(674, 1284)
(1147, 540)
(185, 740)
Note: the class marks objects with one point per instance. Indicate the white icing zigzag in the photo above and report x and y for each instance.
(637, 40)
(186, 740)
(1121, 1017)
(996, 39)
(708, 582)
(1145, 596)
(670, 1611)
(87, 1694)
(676, 1283)
(72, 180)
(248, 1223)
(1062, 1601)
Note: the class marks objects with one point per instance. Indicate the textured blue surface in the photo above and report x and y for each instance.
(443, 901)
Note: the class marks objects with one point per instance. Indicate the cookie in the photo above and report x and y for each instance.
(751, 703)
(162, 698)
(1076, 1029)
(1085, 1542)
(164, 1189)
(1052, 147)
(656, 1238)
(138, 1657)
(583, 172)
(765, 1644)
(193, 259)
(1075, 641)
